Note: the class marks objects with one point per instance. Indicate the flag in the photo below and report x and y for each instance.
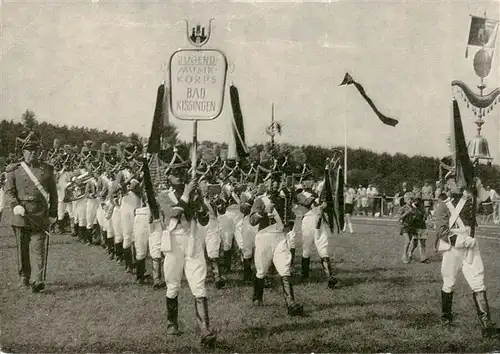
(154, 142)
(339, 197)
(327, 196)
(482, 32)
(150, 194)
(239, 148)
(464, 170)
(348, 80)
(165, 108)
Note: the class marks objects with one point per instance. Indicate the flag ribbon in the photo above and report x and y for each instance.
(348, 80)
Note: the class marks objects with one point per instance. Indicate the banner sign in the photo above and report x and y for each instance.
(197, 83)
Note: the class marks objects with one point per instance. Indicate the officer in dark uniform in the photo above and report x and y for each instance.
(31, 190)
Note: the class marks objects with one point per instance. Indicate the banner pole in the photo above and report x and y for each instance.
(191, 250)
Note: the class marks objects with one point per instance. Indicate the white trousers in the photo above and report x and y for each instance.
(211, 236)
(142, 231)
(80, 211)
(155, 240)
(63, 208)
(248, 233)
(271, 246)
(91, 212)
(455, 259)
(295, 231)
(130, 202)
(116, 222)
(176, 261)
(101, 218)
(311, 235)
(228, 227)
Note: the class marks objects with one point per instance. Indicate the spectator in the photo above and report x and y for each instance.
(364, 201)
(417, 192)
(374, 201)
(439, 190)
(350, 194)
(408, 230)
(420, 237)
(427, 195)
(495, 199)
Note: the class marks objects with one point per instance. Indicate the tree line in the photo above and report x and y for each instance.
(385, 171)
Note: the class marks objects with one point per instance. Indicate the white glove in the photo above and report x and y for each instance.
(469, 242)
(19, 210)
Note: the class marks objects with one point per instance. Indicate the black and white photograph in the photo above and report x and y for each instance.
(249, 176)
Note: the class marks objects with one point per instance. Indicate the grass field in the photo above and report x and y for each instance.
(381, 304)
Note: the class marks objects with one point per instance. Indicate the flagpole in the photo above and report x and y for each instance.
(346, 110)
(272, 127)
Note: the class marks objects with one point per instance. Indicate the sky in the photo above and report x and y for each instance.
(98, 63)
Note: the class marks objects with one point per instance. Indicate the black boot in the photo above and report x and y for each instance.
(104, 237)
(488, 328)
(247, 269)
(292, 251)
(227, 258)
(119, 252)
(74, 229)
(158, 283)
(60, 227)
(110, 245)
(220, 282)
(446, 303)
(89, 236)
(294, 309)
(258, 291)
(172, 317)
(208, 337)
(127, 257)
(140, 269)
(96, 239)
(327, 268)
(306, 264)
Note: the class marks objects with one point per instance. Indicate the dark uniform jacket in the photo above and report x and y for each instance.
(195, 208)
(258, 215)
(21, 190)
(442, 217)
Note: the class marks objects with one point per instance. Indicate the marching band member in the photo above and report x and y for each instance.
(211, 233)
(63, 177)
(268, 212)
(228, 223)
(103, 184)
(177, 244)
(92, 204)
(315, 230)
(142, 230)
(454, 218)
(247, 233)
(31, 189)
(131, 200)
(80, 204)
(114, 213)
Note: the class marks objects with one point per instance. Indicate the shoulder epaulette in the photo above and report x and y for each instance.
(12, 167)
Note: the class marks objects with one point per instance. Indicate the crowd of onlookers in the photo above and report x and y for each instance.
(367, 201)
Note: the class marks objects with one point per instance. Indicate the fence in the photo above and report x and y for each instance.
(488, 212)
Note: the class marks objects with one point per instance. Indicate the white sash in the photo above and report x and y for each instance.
(455, 218)
(36, 182)
(455, 213)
